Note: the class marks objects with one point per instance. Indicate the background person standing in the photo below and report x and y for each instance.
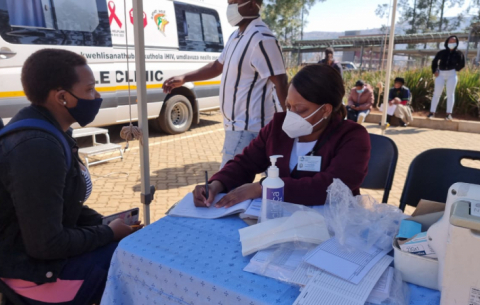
(330, 60)
(252, 68)
(451, 61)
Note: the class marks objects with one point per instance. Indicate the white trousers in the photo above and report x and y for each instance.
(449, 77)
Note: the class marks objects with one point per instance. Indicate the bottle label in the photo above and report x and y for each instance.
(275, 194)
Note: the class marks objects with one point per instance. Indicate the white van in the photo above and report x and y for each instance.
(180, 36)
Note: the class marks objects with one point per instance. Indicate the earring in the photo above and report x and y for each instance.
(65, 103)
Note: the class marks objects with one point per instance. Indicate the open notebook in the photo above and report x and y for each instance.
(187, 208)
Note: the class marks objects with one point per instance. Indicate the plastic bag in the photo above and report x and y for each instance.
(280, 261)
(282, 223)
(278, 209)
(360, 218)
(399, 292)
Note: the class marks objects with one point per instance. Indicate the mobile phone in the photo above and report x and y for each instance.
(130, 217)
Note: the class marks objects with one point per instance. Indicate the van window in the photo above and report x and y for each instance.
(55, 22)
(199, 28)
(194, 27)
(210, 27)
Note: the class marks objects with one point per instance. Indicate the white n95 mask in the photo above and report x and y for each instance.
(233, 15)
(295, 126)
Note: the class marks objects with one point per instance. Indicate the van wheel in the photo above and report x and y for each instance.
(176, 115)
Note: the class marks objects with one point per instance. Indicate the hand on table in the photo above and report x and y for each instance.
(122, 230)
(199, 194)
(172, 83)
(240, 194)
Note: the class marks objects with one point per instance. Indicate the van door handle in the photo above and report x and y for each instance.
(6, 53)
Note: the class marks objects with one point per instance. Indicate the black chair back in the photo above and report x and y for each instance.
(433, 172)
(382, 165)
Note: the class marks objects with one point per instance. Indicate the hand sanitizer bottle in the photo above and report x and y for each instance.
(272, 187)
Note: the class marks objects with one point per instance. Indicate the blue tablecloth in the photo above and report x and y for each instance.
(198, 261)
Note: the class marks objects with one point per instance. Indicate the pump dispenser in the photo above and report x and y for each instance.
(273, 171)
(272, 186)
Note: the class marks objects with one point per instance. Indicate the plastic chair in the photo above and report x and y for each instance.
(382, 165)
(434, 171)
(9, 296)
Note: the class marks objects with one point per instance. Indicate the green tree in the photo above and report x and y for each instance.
(287, 18)
(473, 8)
(443, 23)
(425, 16)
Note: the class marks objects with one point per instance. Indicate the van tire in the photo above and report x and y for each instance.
(176, 115)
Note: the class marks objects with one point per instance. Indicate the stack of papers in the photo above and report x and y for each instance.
(254, 209)
(325, 288)
(303, 274)
(382, 289)
(328, 274)
(350, 266)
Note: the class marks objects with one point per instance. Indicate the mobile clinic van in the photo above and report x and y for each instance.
(180, 36)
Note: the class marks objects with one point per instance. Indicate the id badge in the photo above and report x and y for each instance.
(309, 164)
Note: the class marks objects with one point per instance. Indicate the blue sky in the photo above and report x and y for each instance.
(345, 15)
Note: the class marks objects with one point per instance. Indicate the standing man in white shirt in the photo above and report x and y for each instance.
(252, 67)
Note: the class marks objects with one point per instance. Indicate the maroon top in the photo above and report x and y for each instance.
(345, 156)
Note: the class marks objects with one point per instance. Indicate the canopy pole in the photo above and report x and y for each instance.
(391, 44)
(478, 55)
(468, 44)
(147, 190)
(361, 58)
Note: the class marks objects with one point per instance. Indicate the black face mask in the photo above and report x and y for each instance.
(85, 111)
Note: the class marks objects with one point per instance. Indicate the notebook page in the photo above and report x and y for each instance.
(187, 208)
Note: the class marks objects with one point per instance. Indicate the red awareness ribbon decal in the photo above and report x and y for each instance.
(113, 14)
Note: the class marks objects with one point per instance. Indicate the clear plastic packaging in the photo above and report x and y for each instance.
(278, 209)
(360, 218)
(280, 261)
(282, 223)
(399, 292)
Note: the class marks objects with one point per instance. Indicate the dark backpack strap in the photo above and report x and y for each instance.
(40, 125)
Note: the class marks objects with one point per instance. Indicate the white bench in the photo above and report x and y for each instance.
(97, 148)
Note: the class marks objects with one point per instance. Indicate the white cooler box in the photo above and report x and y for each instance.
(416, 269)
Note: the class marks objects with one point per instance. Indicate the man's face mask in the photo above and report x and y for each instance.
(233, 15)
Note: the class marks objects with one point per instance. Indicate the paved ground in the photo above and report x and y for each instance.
(177, 163)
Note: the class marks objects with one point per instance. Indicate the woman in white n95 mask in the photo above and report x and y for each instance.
(312, 132)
